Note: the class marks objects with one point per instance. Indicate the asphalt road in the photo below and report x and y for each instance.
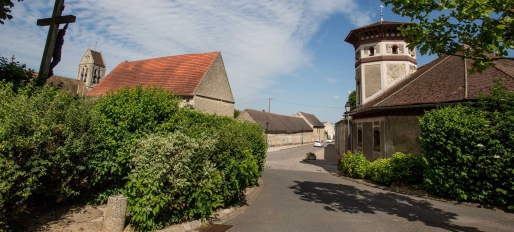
(309, 201)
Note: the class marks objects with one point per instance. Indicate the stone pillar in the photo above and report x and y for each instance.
(114, 218)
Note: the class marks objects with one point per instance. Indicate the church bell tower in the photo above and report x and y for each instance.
(91, 68)
(382, 58)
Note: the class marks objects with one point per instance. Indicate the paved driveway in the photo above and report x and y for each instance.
(306, 201)
(292, 159)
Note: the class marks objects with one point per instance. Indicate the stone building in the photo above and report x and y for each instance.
(392, 94)
(329, 130)
(200, 80)
(91, 68)
(318, 129)
(75, 87)
(280, 129)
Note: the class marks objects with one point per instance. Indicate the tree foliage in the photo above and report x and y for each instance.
(352, 98)
(14, 72)
(486, 26)
(236, 113)
(469, 150)
(5, 10)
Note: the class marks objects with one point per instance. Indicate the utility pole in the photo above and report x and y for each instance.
(269, 104)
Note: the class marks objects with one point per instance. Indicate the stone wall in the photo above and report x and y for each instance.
(403, 135)
(215, 83)
(290, 139)
(395, 72)
(341, 137)
(212, 106)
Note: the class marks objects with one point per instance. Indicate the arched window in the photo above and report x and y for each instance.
(371, 51)
(395, 49)
(376, 140)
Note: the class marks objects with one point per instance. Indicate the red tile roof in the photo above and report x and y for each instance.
(181, 74)
(441, 81)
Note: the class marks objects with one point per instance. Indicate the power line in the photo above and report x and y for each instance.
(252, 102)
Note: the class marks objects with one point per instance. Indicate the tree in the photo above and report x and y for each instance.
(5, 10)
(15, 72)
(352, 98)
(486, 26)
(236, 113)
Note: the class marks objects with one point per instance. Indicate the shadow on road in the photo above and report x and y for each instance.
(349, 199)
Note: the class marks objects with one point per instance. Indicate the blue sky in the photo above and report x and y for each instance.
(290, 51)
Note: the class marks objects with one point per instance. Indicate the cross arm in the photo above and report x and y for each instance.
(58, 20)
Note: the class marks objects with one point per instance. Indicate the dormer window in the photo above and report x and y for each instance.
(395, 49)
(371, 51)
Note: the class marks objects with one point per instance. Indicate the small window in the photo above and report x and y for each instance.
(371, 51)
(359, 137)
(395, 49)
(376, 140)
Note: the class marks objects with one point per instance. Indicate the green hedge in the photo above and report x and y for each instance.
(172, 180)
(354, 165)
(469, 150)
(56, 148)
(381, 171)
(403, 168)
(45, 145)
(121, 118)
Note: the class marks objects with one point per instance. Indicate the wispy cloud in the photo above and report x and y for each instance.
(331, 80)
(336, 97)
(259, 40)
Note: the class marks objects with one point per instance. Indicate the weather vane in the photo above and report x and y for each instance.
(381, 14)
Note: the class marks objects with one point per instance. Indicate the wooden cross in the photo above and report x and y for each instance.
(53, 22)
(12, 59)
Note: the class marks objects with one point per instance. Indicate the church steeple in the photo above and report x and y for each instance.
(91, 68)
(381, 58)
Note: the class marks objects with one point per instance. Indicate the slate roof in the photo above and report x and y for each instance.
(441, 81)
(181, 74)
(279, 123)
(97, 58)
(313, 120)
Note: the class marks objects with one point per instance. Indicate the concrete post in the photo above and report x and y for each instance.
(114, 219)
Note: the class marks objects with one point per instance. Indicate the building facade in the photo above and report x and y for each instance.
(318, 129)
(279, 129)
(200, 80)
(392, 93)
(91, 68)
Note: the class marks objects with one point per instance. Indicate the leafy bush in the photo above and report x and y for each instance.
(407, 168)
(14, 72)
(469, 150)
(45, 144)
(121, 118)
(240, 148)
(173, 180)
(354, 165)
(381, 171)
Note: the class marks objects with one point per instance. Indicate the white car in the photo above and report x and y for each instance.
(318, 143)
(329, 140)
